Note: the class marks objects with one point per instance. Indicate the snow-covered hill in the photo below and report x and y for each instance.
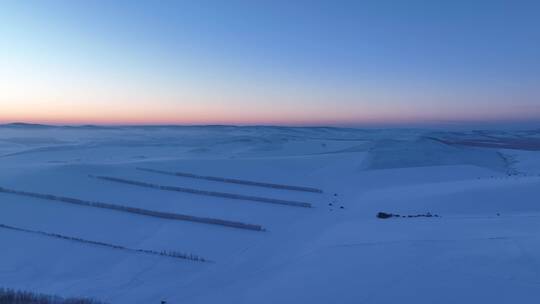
(483, 247)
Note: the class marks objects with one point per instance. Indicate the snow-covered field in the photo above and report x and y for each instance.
(484, 246)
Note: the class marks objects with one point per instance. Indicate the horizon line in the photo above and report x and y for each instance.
(525, 124)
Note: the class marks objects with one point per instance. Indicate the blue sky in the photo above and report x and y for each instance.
(270, 62)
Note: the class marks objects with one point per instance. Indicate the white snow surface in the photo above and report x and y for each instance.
(483, 248)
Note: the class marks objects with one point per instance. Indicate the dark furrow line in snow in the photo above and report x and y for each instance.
(204, 192)
(234, 181)
(139, 211)
(171, 254)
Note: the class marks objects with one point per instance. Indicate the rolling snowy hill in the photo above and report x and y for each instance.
(135, 242)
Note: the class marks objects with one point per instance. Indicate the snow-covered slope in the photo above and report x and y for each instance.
(483, 248)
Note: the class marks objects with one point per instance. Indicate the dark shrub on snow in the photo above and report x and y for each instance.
(9, 296)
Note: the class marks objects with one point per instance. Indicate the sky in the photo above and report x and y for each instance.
(278, 62)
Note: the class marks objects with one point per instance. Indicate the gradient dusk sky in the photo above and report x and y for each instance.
(269, 62)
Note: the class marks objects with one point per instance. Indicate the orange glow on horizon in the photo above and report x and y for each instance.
(238, 120)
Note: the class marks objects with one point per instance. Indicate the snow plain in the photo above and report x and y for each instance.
(484, 247)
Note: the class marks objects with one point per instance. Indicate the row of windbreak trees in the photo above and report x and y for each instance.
(10, 296)
(205, 192)
(172, 254)
(233, 180)
(139, 211)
